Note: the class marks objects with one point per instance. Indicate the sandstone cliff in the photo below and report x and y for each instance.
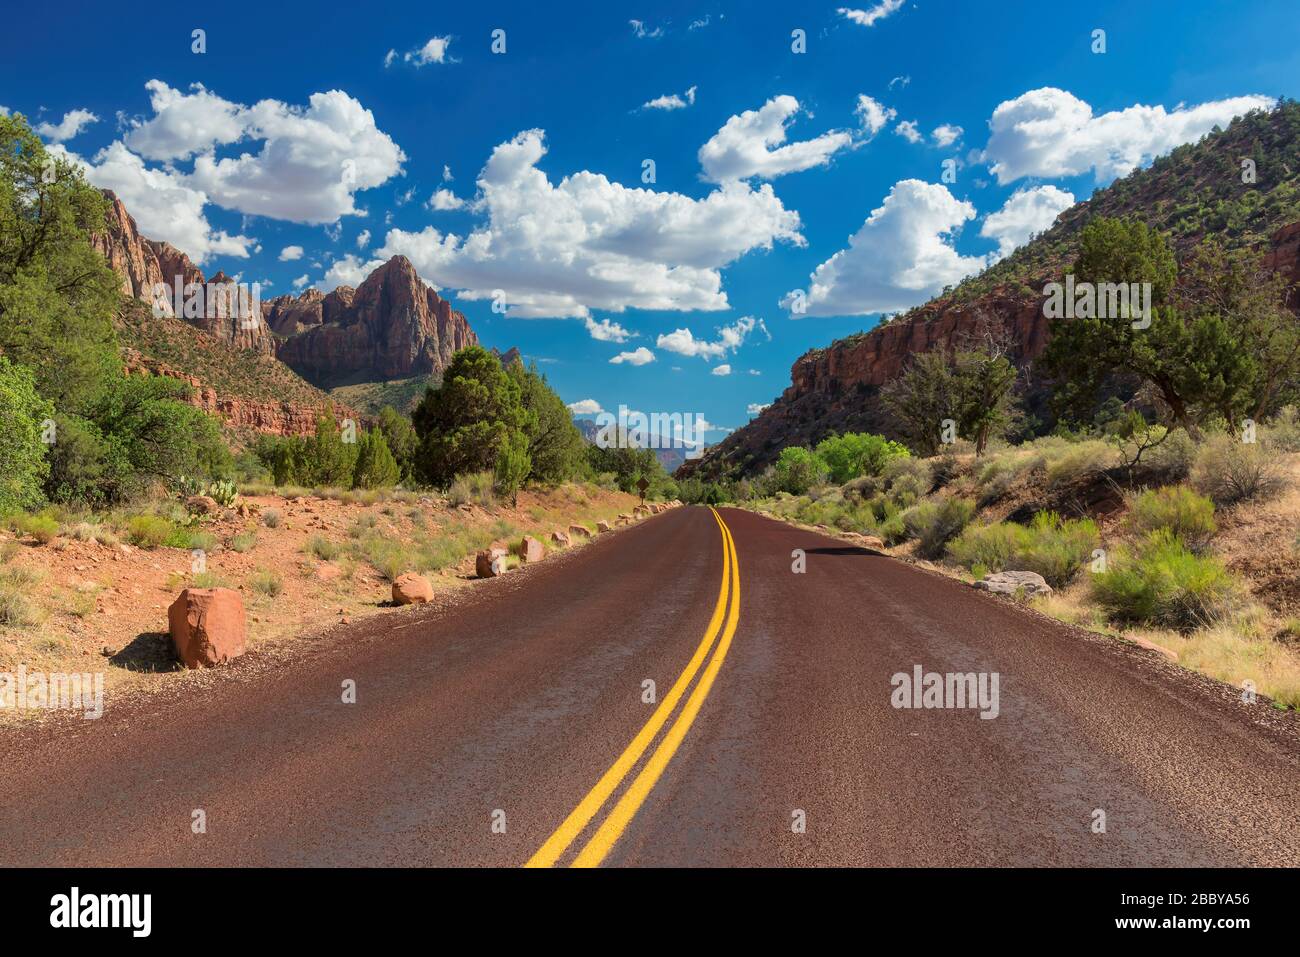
(392, 326)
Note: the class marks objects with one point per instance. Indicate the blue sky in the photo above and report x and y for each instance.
(720, 240)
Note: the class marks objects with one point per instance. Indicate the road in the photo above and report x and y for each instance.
(511, 727)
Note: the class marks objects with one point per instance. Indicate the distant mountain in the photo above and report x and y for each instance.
(670, 459)
(1195, 191)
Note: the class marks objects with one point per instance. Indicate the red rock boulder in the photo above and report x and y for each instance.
(490, 562)
(208, 626)
(530, 549)
(412, 589)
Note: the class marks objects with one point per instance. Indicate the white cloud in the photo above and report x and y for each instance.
(902, 81)
(290, 253)
(73, 122)
(607, 331)
(730, 338)
(349, 270)
(723, 369)
(300, 282)
(363, 239)
(585, 407)
(908, 131)
(743, 147)
(184, 124)
(671, 101)
(641, 31)
(1026, 213)
(637, 357)
(873, 115)
(755, 408)
(867, 18)
(901, 256)
(584, 243)
(390, 57)
(946, 134)
(1051, 133)
(164, 205)
(433, 51)
(445, 199)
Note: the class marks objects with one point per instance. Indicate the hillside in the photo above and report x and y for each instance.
(1194, 191)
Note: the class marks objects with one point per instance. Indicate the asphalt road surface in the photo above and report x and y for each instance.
(514, 726)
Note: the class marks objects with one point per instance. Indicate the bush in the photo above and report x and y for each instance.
(23, 466)
(1173, 457)
(15, 609)
(1230, 471)
(148, 531)
(323, 548)
(43, 528)
(1051, 546)
(937, 523)
(907, 479)
(272, 517)
(1164, 584)
(475, 488)
(857, 453)
(1177, 509)
(266, 582)
(1080, 459)
(244, 541)
(1283, 432)
(798, 470)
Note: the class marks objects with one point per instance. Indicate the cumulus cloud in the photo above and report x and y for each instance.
(586, 242)
(300, 281)
(290, 253)
(445, 199)
(1051, 133)
(901, 256)
(750, 145)
(755, 408)
(723, 369)
(868, 18)
(363, 239)
(637, 357)
(73, 122)
(730, 338)
(671, 101)
(1026, 213)
(311, 162)
(608, 331)
(585, 407)
(433, 51)
(348, 270)
(907, 129)
(873, 115)
(165, 206)
(946, 134)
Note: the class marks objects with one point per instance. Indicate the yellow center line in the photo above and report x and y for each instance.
(572, 826)
(602, 842)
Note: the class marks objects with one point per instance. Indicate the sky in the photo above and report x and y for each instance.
(662, 205)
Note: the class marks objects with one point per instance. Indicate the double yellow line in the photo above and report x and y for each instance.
(611, 829)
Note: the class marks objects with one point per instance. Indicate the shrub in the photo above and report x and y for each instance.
(1172, 458)
(272, 517)
(474, 488)
(43, 528)
(244, 541)
(937, 523)
(91, 532)
(7, 551)
(857, 453)
(197, 540)
(1051, 546)
(266, 582)
(322, 548)
(148, 531)
(1164, 584)
(15, 608)
(223, 492)
(23, 465)
(1178, 509)
(799, 469)
(1080, 459)
(907, 479)
(210, 580)
(1283, 432)
(1230, 471)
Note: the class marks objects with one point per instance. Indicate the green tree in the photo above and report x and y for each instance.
(857, 453)
(465, 422)
(555, 445)
(57, 296)
(402, 441)
(986, 405)
(512, 466)
(326, 458)
(922, 397)
(375, 467)
(799, 469)
(23, 468)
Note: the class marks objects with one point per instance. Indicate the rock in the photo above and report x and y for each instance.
(207, 626)
(579, 531)
(412, 589)
(625, 519)
(202, 505)
(490, 562)
(559, 538)
(602, 526)
(530, 549)
(1009, 583)
(870, 541)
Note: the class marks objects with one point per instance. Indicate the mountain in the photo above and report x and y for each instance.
(1194, 191)
(392, 326)
(671, 459)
